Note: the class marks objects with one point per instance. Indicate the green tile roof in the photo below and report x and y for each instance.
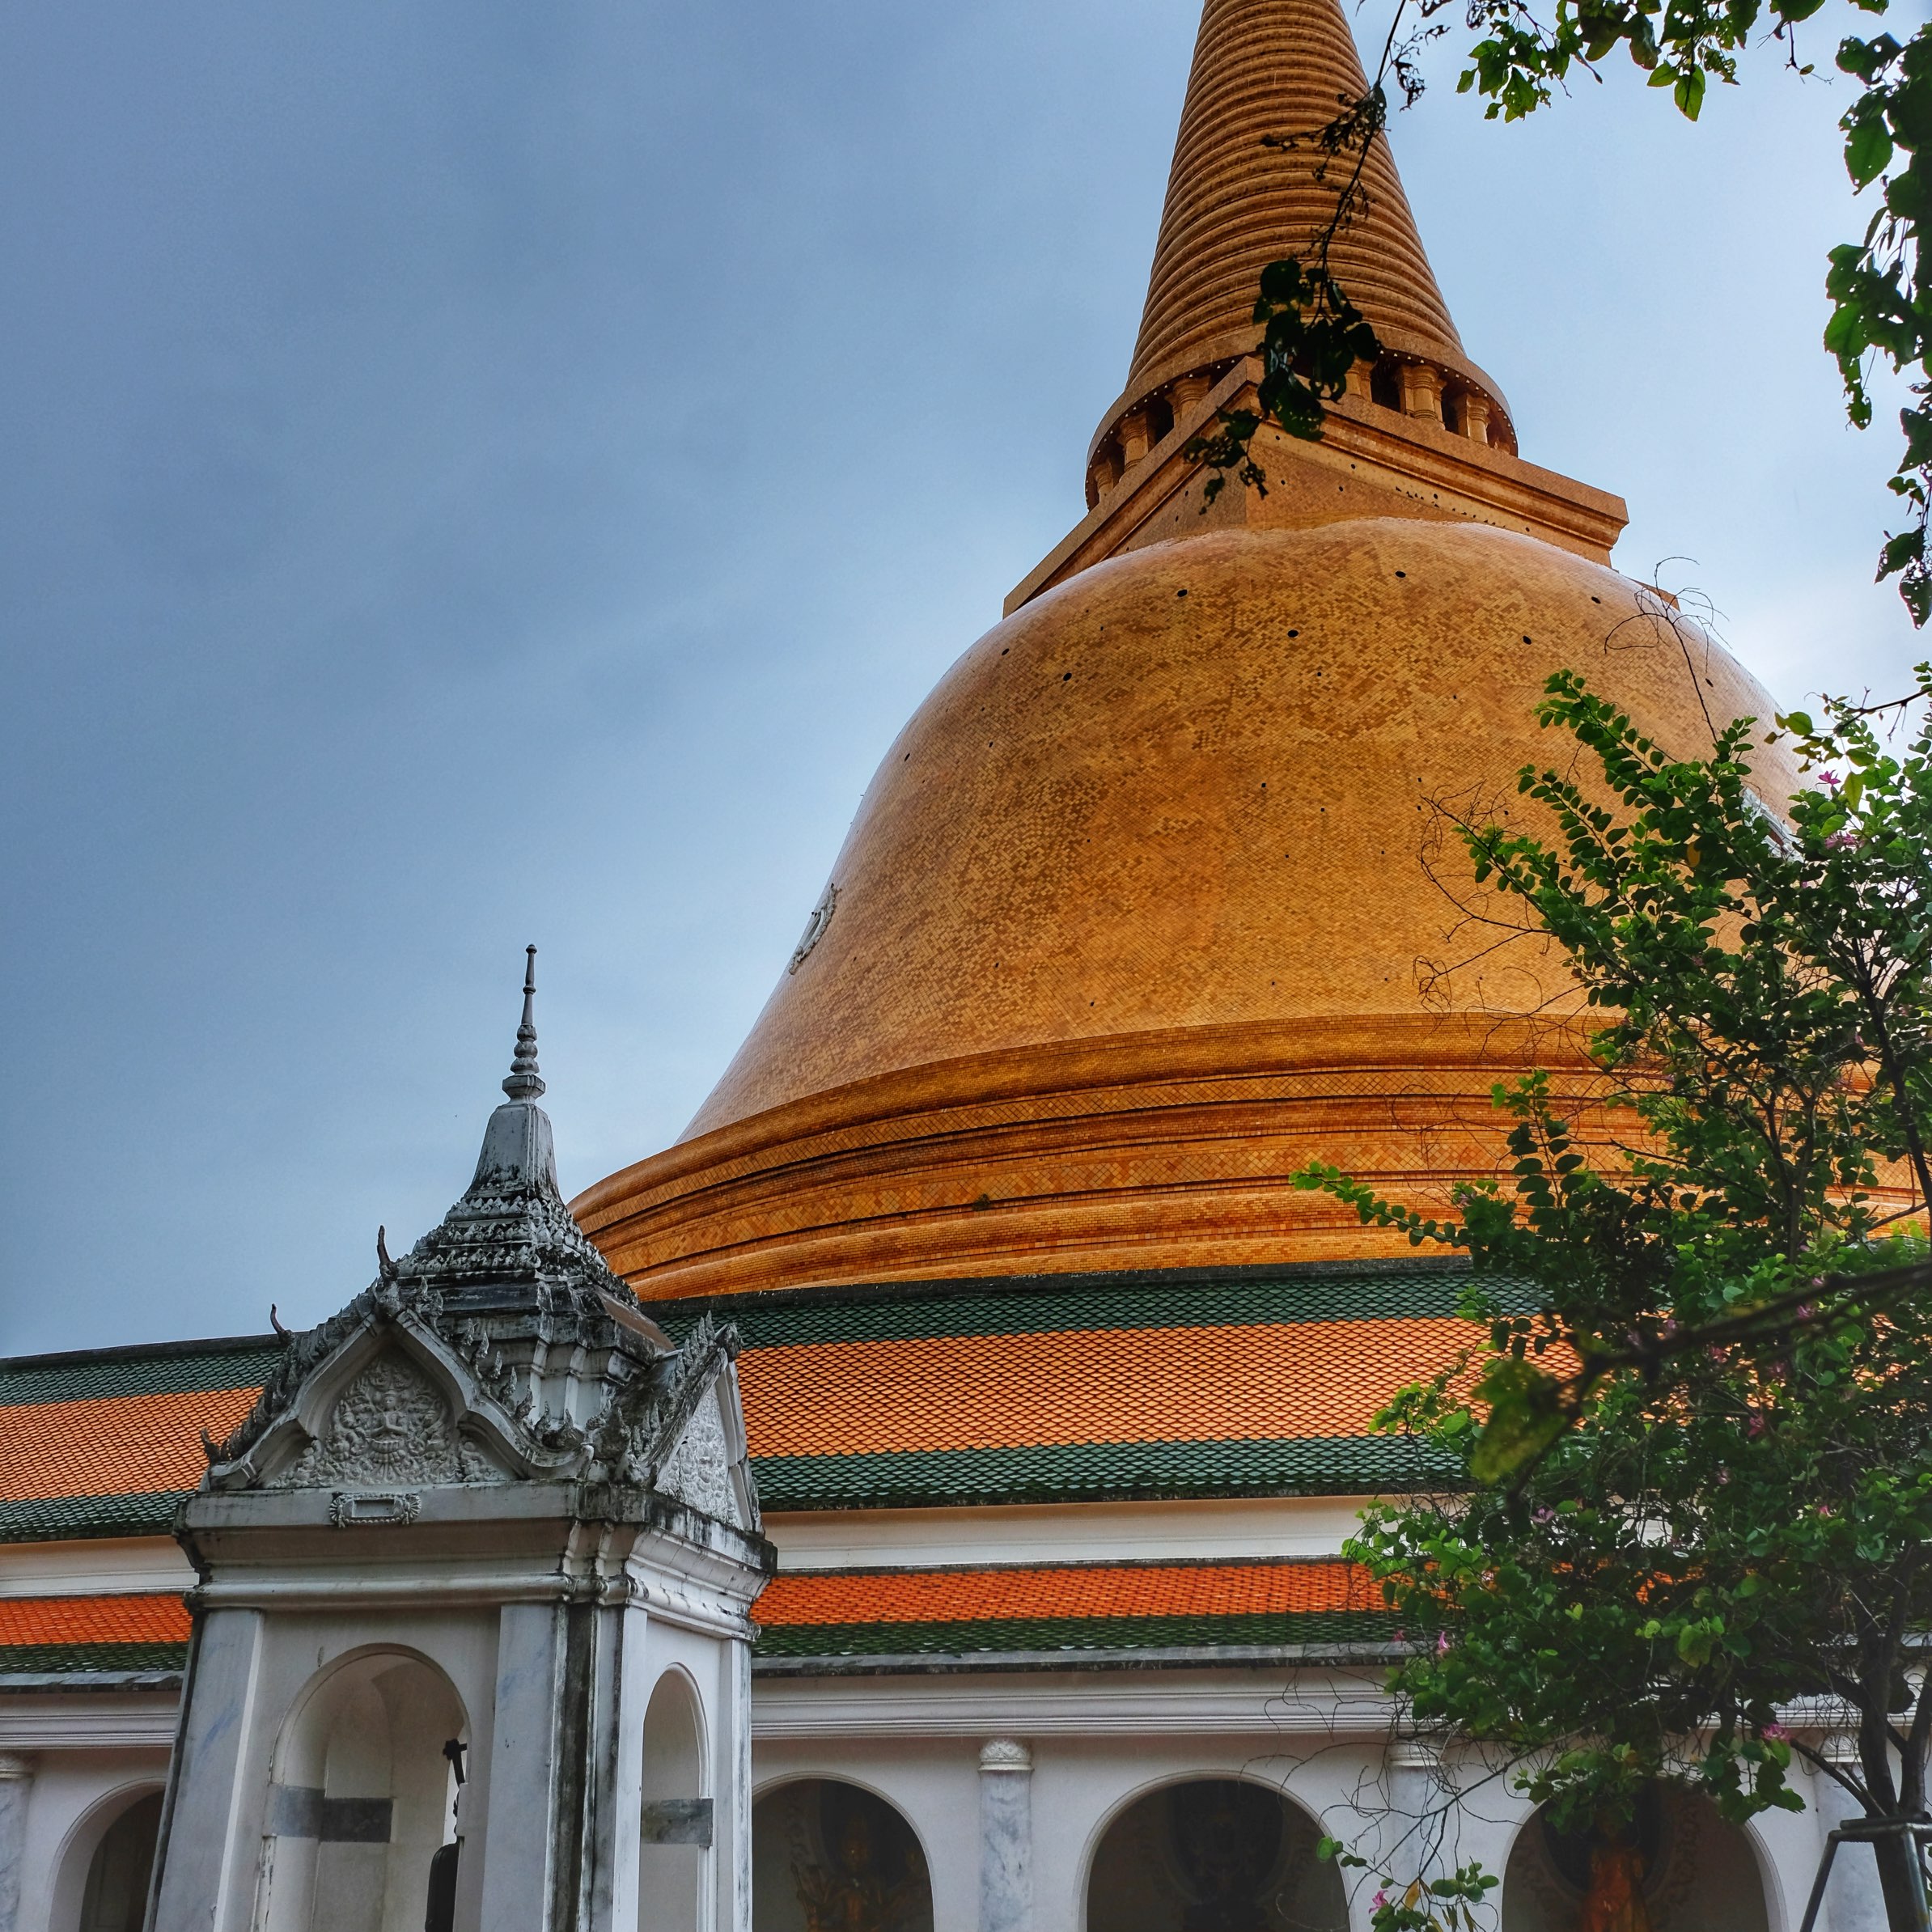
(1320, 1630)
(1058, 1304)
(1086, 1472)
(150, 1369)
(54, 1519)
(70, 1659)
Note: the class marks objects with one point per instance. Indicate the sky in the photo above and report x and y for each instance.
(472, 474)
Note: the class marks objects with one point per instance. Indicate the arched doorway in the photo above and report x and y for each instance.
(363, 1799)
(1698, 1874)
(1215, 1854)
(116, 1896)
(829, 1856)
(675, 1851)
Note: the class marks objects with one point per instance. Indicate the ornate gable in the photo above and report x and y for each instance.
(500, 1349)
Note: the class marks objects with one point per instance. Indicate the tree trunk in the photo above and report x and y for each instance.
(1895, 1857)
(1615, 1900)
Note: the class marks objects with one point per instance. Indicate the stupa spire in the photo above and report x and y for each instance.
(524, 1083)
(1265, 71)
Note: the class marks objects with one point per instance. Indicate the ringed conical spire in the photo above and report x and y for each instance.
(525, 1082)
(1250, 185)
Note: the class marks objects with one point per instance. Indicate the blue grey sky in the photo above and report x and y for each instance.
(472, 473)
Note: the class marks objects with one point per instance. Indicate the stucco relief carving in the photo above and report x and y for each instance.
(698, 1471)
(390, 1427)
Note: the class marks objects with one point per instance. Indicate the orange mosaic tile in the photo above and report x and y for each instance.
(1286, 1380)
(114, 1445)
(44, 1620)
(1089, 1590)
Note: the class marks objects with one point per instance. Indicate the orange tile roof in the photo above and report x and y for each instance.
(1288, 1380)
(112, 1445)
(1112, 1590)
(92, 1619)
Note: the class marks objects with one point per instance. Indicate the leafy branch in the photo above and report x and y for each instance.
(1688, 1446)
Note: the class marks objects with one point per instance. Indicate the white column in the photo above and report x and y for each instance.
(616, 1766)
(519, 1833)
(207, 1876)
(737, 1845)
(16, 1787)
(1407, 1834)
(1005, 1836)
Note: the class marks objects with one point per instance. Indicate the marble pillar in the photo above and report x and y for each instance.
(1410, 1837)
(1005, 1836)
(16, 1787)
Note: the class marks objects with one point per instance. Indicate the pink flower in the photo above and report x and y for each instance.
(1442, 1643)
(1543, 1515)
(1776, 1733)
(1828, 780)
(1757, 1424)
(1379, 1900)
(1841, 841)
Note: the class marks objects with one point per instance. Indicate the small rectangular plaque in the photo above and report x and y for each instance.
(677, 1821)
(397, 1505)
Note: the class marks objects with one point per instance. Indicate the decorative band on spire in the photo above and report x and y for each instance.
(1252, 183)
(524, 1083)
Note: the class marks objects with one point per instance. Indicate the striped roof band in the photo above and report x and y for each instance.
(848, 1618)
(106, 1441)
(155, 1368)
(1232, 1298)
(1095, 1471)
(1277, 1382)
(968, 1595)
(113, 1445)
(90, 1634)
(1085, 1607)
(1192, 1382)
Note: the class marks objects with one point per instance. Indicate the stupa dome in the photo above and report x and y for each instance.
(1139, 915)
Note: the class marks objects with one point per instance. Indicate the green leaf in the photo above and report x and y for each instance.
(1868, 150)
(1526, 1415)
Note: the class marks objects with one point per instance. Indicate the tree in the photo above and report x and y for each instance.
(1688, 1456)
(1881, 304)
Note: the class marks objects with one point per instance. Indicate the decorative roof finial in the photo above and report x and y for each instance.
(524, 1083)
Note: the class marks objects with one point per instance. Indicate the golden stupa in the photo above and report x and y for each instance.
(1145, 908)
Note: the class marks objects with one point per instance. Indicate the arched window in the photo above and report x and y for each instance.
(115, 1897)
(830, 1857)
(1210, 1855)
(1692, 1871)
(363, 1799)
(676, 1855)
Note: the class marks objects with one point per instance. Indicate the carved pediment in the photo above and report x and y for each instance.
(698, 1471)
(689, 1442)
(391, 1425)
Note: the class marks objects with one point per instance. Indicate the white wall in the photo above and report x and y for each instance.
(76, 1795)
(1099, 1740)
